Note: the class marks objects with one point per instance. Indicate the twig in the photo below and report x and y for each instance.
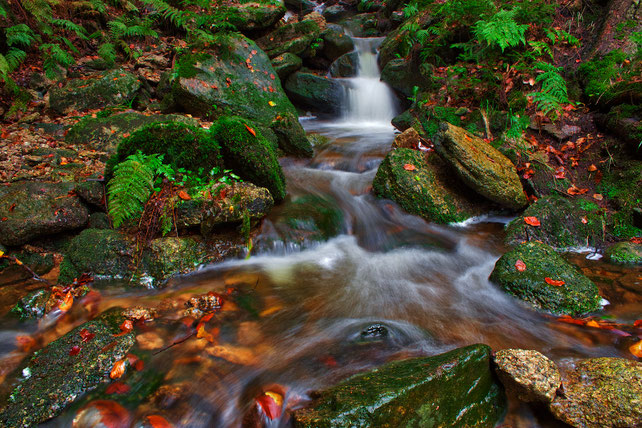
(176, 342)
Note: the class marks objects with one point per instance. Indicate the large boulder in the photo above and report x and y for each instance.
(30, 210)
(623, 188)
(253, 16)
(564, 223)
(527, 374)
(424, 187)
(345, 66)
(250, 155)
(235, 77)
(104, 133)
(452, 389)
(535, 273)
(316, 93)
(295, 38)
(286, 64)
(363, 25)
(625, 253)
(601, 392)
(335, 42)
(95, 91)
(55, 376)
(481, 166)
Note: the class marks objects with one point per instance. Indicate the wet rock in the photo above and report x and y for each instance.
(403, 121)
(31, 209)
(426, 187)
(577, 294)
(286, 64)
(623, 187)
(374, 332)
(254, 16)
(527, 374)
(291, 136)
(363, 25)
(91, 192)
(399, 74)
(212, 85)
(452, 389)
(345, 66)
(97, 91)
(98, 220)
(336, 13)
(625, 122)
(335, 42)
(408, 139)
(32, 306)
(316, 93)
(171, 256)
(206, 303)
(53, 378)
(626, 253)
(250, 155)
(601, 392)
(312, 218)
(300, 6)
(38, 261)
(564, 223)
(140, 313)
(104, 133)
(295, 38)
(480, 166)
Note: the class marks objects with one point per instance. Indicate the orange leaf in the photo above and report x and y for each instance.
(118, 388)
(65, 305)
(637, 323)
(598, 196)
(119, 369)
(592, 323)
(584, 220)
(554, 282)
(520, 266)
(125, 328)
(409, 167)
(158, 422)
(532, 221)
(250, 130)
(271, 403)
(183, 195)
(576, 191)
(592, 168)
(636, 349)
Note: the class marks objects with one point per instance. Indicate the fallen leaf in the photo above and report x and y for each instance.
(271, 403)
(532, 221)
(66, 304)
(554, 282)
(520, 266)
(636, 349)
(598, 197)
(158, 422)
(592, 168)
(119, 369)
(184, 195)
(271, 103)
(86, 335)
(103, 413)
(250, 130)
(125, 328)
(576, 191)
(118, 388)
(409, 167)
(584, 220)
(75, 350)
(593, 323)
(637, 323)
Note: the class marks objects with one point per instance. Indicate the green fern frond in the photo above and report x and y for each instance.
(3, 12)
(107, 51)
(176, 16)
(14, 58)
(501, 30)
(554, 92)
(79, 31)
(55, 58)
(20, 35)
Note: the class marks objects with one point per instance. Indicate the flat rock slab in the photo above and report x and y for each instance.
(29, 210)
(528, 374)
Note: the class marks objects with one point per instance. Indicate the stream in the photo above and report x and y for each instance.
(378, 285)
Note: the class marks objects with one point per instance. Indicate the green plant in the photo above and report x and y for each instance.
(500, 29)
(553, 92)
(517, 125)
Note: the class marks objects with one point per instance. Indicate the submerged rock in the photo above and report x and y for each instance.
(32, 209)
(626, 253)
(601, 392)
(54, 376)
(480, 166)
(527, 374)
(452, 389)
(424, 187)
(314, 92)
(535, 273)
(93, 92)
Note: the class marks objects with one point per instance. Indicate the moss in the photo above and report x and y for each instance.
(577, 296)
(250, 155)
(611, 79)
(626, 253)
(32, 306)
(294, 38)
(314, 217)
(182, 146)
(623, 188)
(291, 136)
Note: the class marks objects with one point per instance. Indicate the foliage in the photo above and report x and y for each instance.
(501, 30)
(553, 92)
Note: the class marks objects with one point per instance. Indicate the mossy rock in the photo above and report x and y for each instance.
(250, 155)
(345, 66)
(404, 120)
(625, 253)
(315, 93)
(182, 146)
(116, 87)
(623, 189)
(291, 136)
(335, 42)
(170, 256)
(565, 223)
(336, 13)
(311, 218)
(286, 64)
(611, 80)
(429, 190)
(403, 76)
(252, 17)
(452, 389)
(625, 122)
(104, 133)
(39, 263)
(32, 306)
(576, 296)
(295, 38)
(362, 25)
(53, 379)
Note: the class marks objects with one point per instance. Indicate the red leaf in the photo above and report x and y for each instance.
(409, 167)
(637, 323)
(560, 173)
(271, 403)
(532, 221)
(183, 195)
(125, 328)
(12, 207)
(636, 240)
(75, 350)
(636, 349)
(105, 413)
(86, 335)
(250, 130)
(520, 266)
(139, 365)
(118, 388)
(158, 422)
(575, 191)
(119, 369)
(554, 282)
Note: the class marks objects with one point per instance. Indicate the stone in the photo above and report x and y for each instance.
(345, 66)
(564, 223)
(300, 6)
(452, 389)
(32, 306)
(316, 93)
(336, 13)
(335, 42)
(362, 25)
(401, 77)
(404, 120)
(250, 17)
(527, 374)
(39, 262)
(286, 64)
(295, 38)
(625, 253)
(429, 190)
(576, 296)
(52, 379)
(482, 167)
(95, 91)
(408, 139)
(34, 209)
(601, 392)
(92, 192)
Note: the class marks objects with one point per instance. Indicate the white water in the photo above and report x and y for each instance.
(370, 101)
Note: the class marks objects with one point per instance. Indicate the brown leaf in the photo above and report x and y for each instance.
(598, 196)
(532, 221)
(119, 369)
(409, 167)
(554, 282)
(184, 195)
(576, 191)
(592, 168)
(157, 421)
(520, 266)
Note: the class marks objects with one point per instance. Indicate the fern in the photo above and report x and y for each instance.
(131, 186)
(70, 26)
(501, 30)
(176, 16)
(20, 35)
(3, 12)
(553, 93)
(107, 51)
(55, 58)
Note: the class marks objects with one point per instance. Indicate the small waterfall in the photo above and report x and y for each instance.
(370, 101)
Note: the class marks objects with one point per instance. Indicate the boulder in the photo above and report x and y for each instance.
(408, 139)
(336, 13)
(424, 187)
(235, 78)
(10, 271)
(527, 374)
(363, 25)
(452, 389)
(625, 253)
(253, 16)
(345, 66)
(30, 210)
(535, 273)
(316, 93)
(623, 187)
(104, 133)
(625, 122)
(481, 166)
(399, 75)
(54, 377)
(302, 7)
(291, 136)
(404, 120)
(250, 155)
(286, 64)
(335, 42)
(94, 92)
(601, 392)
(295, 38)
(564, 223)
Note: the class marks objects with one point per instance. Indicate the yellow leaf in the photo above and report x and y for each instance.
(1, 253)
(636, 349)
(271, 103)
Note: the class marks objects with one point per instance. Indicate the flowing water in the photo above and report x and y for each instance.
(318, 278)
